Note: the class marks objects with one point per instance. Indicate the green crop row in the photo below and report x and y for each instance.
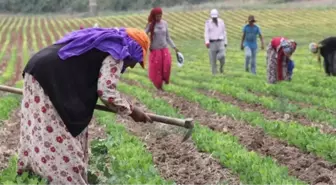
(306, 138)
(121, 158)
(299, 90)
(9, 176)
(235, 89)
(252, 168)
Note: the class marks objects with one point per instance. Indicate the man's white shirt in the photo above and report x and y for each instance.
(214, 32)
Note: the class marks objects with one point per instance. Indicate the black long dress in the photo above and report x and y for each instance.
(328, 52)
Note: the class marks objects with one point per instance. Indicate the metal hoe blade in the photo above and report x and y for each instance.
(189, 125)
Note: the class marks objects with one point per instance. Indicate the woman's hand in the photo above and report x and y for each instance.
(139, 116)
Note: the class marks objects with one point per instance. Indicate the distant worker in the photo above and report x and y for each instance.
(81, 27)
(215, 40)
(249, 43)
(160, 57)
(279, 52)
(326, 48)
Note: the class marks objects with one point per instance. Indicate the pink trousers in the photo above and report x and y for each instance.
(159, 67)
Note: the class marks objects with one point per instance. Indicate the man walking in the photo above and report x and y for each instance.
(249, 43)
(215, 40)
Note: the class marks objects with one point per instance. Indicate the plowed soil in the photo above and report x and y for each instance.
(180, 162)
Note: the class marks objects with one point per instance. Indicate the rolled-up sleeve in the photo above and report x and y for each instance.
(107, 86)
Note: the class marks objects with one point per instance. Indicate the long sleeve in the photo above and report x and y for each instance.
(169, 40)
(225, 34)
(107, 83)
(206, 33)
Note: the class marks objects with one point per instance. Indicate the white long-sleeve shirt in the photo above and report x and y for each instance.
(214, 32)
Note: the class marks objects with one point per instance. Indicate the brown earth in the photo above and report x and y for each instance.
(10, 137)
(269, 114)
(304, 166)
(180, 162)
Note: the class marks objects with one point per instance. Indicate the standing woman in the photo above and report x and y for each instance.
(279, 52)
(160, 58)
(62, 83)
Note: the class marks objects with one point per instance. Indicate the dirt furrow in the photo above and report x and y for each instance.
(19, 60)
(180, 162)
(297, 103)
(38, 33)
(8, 53)
(304, 166)
(10, 136)
(45, 30)
(269, 114)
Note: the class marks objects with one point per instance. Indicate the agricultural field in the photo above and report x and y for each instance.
(246, 131)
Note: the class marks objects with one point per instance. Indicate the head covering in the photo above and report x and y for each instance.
(114, 41)
(214, 13)
(152, 20)
(313, 47)
(251, 18)
(142, 39)
(288, 46)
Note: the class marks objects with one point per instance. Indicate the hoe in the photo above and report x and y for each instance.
(185, 123)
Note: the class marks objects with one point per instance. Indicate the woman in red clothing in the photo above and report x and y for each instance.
(160, 57)
(279, 52)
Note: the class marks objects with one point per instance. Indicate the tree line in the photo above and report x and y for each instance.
(53, 6)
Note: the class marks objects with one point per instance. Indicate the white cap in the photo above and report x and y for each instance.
(96, 25)
(214, 13)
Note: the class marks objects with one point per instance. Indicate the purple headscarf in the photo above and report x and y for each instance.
(114, 41)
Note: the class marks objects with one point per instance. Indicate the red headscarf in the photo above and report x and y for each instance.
(152, 20)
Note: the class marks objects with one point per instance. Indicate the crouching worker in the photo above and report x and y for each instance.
(62, 83)
(326, 48)
(279, 52)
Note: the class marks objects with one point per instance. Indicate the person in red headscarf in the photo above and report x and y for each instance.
(279, 52)
(160, 57)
